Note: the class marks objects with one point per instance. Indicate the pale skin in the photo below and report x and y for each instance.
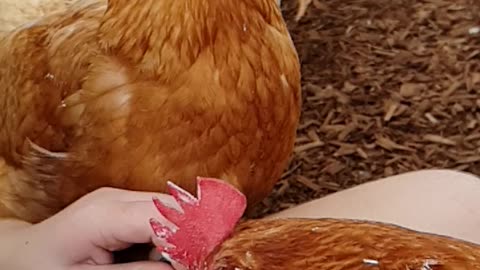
(83, 235)
(437, 201)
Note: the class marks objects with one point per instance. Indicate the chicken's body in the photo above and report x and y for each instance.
(309, 244)
(142, 92)
(14, 13)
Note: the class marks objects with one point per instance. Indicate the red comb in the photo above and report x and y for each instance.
(204, 224)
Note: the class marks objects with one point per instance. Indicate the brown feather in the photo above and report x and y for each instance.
(147, 91)
(335, 244)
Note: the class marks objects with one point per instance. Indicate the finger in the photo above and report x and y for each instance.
(125, 223)
(113, 194)
(100, 256)
(101, 227)
(127, 266)
(110, 226)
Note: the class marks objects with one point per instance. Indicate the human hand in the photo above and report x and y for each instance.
(84, 235)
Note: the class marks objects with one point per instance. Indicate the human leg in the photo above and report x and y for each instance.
(436, 201)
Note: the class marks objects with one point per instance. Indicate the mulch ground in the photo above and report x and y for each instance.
(389, 86)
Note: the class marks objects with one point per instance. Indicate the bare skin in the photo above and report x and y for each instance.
(436, 201)
(82, 236)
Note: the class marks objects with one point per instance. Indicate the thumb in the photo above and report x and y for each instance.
(127, 266)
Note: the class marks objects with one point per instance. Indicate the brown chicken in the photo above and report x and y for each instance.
(132, 93)
(14, 13)
(200, 238)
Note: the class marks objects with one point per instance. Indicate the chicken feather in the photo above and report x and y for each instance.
(14, 14)
(280, 244)
(130, 94)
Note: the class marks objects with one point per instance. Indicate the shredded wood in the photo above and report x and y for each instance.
(389, 86)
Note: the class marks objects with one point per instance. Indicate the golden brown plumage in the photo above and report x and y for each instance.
(142, 92)
(281, 244)
(14, 13)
